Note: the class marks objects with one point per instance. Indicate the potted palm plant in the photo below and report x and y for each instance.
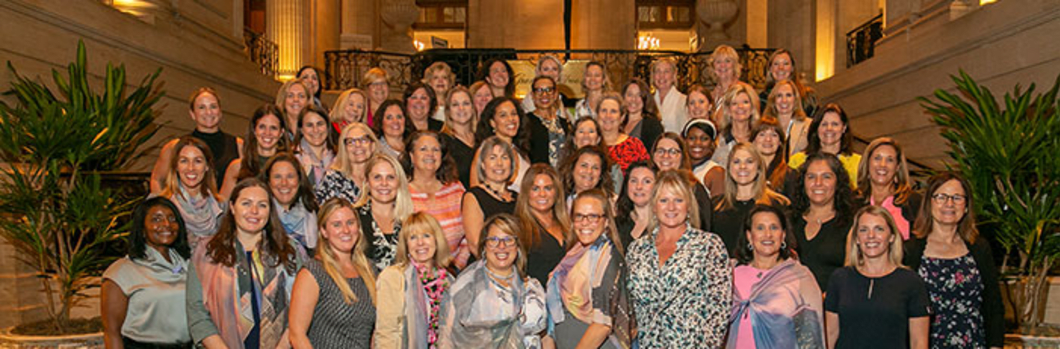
(56, 212)
(1009, 154)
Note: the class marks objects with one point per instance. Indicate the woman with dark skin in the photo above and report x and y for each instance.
(142, 295)
(700, 135)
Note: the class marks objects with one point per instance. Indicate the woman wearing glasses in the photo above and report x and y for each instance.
(493, 304)
(671, 153)
(587, 297)
(548, 132)
(957, 267)
(345, 177)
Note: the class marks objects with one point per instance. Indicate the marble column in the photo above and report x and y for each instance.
(287, 24)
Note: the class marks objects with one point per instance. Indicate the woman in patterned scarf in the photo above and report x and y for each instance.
(191, 185)
(410, 290)
(240, 280)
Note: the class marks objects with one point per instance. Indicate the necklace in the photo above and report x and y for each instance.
(499, 194)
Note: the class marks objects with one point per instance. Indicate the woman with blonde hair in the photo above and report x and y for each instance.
(785, 106)
(376, 82)
(745, 187)
(781, 67)
(545, 228)
(350, 107)
(190, 185)
(686, 302)
(345, 177)
(725, 70)
(595, 83)
(874, 301)
(493, 304)
(410, 290)
(384, 203)
(439, 76)
(739, 115)
(883, 180)
(334, 296)
(667, 97)
(461, 117)
(292, 97)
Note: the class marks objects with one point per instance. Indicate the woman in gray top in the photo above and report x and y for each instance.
(143, 293)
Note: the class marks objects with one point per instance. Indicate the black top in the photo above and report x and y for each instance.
(539, 138)
(993, 310)
(625, 231)
(827, 251)
(875, 312)
(490, 207)
(650, 130)
(224, 148)
(434, 125)
(462, 156)
(541, 259)
(706, 208)
(728, 223)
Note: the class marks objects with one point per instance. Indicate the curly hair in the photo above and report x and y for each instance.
(843, 199)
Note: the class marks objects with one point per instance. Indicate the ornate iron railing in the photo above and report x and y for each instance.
(344, 68)
(262, 52)
(861, 42)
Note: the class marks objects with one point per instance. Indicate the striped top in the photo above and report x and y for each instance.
(336, 324)
(444, 205)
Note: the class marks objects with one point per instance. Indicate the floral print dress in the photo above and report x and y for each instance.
(956, 291)
(685, 303)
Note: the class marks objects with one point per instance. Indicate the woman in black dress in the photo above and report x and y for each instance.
(490, 197)
(745, 186)
(874, 301)
(545, 227)
(459, 130)
(822, 206)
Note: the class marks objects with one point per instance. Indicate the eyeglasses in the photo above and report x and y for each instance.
(497, 241)
(941, 198)
(357, 141)
(544, 89)
(591, 218)
(670, 151)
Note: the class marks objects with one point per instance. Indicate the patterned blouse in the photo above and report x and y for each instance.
(629, 151)
(686, 302)
(445, 207)
(956, 292)
(382, 247)
(335, 184)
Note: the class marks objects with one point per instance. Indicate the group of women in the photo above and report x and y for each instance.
(455, 218)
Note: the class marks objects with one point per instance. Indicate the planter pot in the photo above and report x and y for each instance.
(78, 341)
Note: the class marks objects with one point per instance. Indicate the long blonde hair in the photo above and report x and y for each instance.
(343, 163)
(403, 201)
(762, 194)
(359, 253)
(735, 90)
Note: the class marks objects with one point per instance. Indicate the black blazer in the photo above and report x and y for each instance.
(993, 310)
(650, 130)
(539, 137)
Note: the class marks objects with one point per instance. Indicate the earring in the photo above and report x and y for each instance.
(783, 245)
(750, 247)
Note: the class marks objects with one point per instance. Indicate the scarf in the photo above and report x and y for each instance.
(300, 224)
(571, 286)
(202, 216)
(230, 307)
(785, 309)
(482, 313)
(434, 282)
(314, 166)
